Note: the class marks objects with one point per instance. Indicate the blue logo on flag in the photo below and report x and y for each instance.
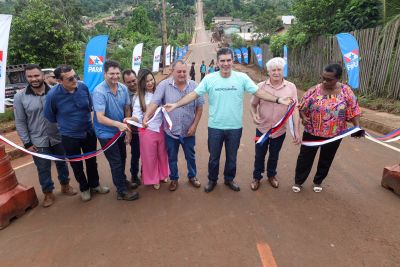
(350, 51)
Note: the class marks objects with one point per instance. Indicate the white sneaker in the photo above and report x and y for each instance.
(101, 189)
(85, 195)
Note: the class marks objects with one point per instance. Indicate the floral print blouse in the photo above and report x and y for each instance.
(328, 114)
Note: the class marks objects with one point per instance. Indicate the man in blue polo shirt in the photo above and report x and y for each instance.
(70, 105)
(111, 104)
(225, 91)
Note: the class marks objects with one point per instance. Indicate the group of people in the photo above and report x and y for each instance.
(58, 120)
(203, 70)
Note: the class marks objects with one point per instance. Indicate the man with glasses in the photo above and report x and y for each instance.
(38, 135)
(111, 104)
(130, 80)
(69, 103)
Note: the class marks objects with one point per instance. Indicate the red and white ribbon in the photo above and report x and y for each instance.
(65, 157)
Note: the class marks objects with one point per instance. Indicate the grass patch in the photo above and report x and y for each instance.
(381, 104)
(7, 116)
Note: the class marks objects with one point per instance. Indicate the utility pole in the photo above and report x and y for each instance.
(164, 31)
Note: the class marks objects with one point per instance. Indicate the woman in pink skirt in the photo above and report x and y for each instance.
(153, 151)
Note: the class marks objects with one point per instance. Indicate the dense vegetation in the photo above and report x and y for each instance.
(313, 17)
(51, 32)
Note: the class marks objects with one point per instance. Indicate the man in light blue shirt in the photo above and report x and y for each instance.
(225, 95)
(111, 104)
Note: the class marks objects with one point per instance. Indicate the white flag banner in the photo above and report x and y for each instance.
(137, 57)
(168, 56)
(172, 54)
(5, 24)
(156, 59)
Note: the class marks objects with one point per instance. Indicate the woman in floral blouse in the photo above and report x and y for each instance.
(324, 111)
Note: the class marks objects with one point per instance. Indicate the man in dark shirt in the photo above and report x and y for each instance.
(69, 103)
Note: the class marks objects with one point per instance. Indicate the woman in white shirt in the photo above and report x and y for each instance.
(153, 150)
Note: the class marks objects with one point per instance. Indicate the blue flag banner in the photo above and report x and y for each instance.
(350, 52)
(258, 54)
(180, 53)
(238, 55)
(95, 56)
(245, 54)
(285, 55)
(176, 53)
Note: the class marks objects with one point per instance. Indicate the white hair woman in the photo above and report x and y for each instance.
(265, 115)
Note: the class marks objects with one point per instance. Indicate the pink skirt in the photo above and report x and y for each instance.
(153, 153)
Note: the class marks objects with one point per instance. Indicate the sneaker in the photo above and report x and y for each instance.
(296, 188)
(68, 190)
(317, 188)
(85, 195)
(129, 196)
(101, 189)
(130, 185)
(49, 199)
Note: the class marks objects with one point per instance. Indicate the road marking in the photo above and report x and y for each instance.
(383, 144)
(266, 256)
(23, 165)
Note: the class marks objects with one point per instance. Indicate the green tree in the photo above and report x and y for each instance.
(140, 21)
(237, 41)
(314, 18)
(40, 35)
(267, 22)
(276, 44)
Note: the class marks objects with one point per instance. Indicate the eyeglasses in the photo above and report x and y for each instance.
(327, 79)
(72, 78)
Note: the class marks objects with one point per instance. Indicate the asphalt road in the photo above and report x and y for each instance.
(353, 222)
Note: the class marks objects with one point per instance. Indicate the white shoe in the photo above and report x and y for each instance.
(85, 195)
(317, 188)
(296, 188)
(101, 189)
(156, 186)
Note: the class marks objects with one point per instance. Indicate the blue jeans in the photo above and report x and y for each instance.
(216, 138)
(116, 156)
(44, 168)
(274, 146)
(173, 149)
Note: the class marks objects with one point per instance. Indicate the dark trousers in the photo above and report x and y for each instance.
(306, 159)
(116, 156)
(216, 138)
(75, 146)
(135, 155)
(274, 146)
(43, 167)
(202, 75)
(188, 148)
